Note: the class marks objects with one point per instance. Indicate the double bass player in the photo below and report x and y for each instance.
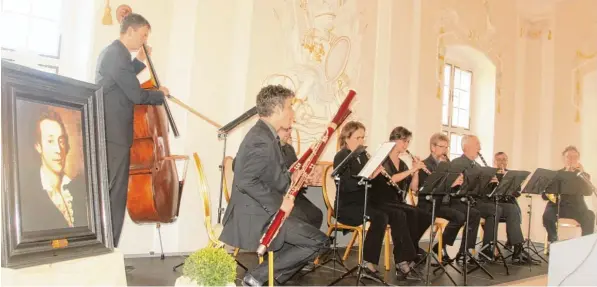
(117, 74)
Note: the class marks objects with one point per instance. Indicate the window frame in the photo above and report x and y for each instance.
(449, 129)
(34, 59)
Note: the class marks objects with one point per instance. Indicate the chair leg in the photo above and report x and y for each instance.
(387, 250)
(236, 250)
(360, 236)
(349, 246)
(545, 245)
(330, 229)
(270, 263)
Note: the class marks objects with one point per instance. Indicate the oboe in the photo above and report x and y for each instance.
(482, 159)
(413, 158)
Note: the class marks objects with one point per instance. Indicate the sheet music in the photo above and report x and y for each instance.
(380, 155)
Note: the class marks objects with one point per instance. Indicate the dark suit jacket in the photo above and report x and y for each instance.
(38, 212)
(574, 201)
(260, 181)
(117, 74)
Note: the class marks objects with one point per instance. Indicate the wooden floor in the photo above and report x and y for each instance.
(153, 271)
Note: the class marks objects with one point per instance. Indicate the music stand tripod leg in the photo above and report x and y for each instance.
(222, 171)
(430, 253)
(335, 255)
(467, 254)
(359, 267)
(529, 246)
(495, 240)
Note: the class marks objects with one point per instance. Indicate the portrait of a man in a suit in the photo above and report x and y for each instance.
(49, 198)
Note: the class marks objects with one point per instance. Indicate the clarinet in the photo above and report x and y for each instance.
(388, 178)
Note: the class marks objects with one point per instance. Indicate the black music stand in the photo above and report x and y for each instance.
(223, 135)
(566, 183)
(336, 174)
(365, 176)
(539, 181)
(507, 186)
(438, 184)
(475, 180)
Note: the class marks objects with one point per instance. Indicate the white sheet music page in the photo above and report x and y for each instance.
(378, 157)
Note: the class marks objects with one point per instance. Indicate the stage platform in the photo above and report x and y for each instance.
(156, 272)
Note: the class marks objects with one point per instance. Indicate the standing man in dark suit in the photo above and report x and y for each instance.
(117, 74)
(260, 182)
(438, 146)
(304, 208)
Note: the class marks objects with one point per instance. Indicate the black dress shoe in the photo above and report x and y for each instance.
(249, 280)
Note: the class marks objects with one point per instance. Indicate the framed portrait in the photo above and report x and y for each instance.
(55, 202)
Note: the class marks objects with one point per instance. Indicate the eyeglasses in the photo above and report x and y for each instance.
(442, 146)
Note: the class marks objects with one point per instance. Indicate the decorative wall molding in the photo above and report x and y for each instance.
(451, 30)
(536, 29)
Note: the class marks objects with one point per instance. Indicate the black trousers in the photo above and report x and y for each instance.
(118, 174)
(305, 210)
(381, 217)
(417, 220)
(303, 243)
(580, 213)
(455, 213)
(511, 215)
(487, 211)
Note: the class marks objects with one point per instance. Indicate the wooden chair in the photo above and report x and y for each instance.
(329, 197)
(562, 222)
(438, 227)
(227, 188)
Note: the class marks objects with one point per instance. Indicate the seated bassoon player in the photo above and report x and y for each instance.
(351, 204)
(303, 208)
(260, 182)
(390, 192)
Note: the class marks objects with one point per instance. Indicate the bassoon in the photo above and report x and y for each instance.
(303, 167)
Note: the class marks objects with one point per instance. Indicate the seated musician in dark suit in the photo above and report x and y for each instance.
(388, 196)
(260, 181)
(571, 206)
(49, 198)
(351, 204)
(438, 146)
(510, 213)
(303, 207)
(471, 146)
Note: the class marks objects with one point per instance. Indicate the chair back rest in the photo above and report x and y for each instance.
(328, 187)
(204, 194)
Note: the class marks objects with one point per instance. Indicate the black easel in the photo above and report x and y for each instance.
(223, 135)
(437, 185)
(365, 178)
(474, 178)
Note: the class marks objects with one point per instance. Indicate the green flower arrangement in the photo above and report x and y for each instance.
(210, 267)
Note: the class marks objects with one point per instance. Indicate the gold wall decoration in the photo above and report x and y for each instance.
(577, 79)
(441, 61)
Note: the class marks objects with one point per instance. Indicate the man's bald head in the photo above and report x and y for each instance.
(471, 146)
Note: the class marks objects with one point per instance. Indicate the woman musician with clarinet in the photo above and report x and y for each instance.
(351, 201)
(391, 195)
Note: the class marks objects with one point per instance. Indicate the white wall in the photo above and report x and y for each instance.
(215, 55)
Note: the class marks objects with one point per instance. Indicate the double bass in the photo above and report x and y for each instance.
(155, 187)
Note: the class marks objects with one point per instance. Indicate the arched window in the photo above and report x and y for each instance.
(456, 106)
